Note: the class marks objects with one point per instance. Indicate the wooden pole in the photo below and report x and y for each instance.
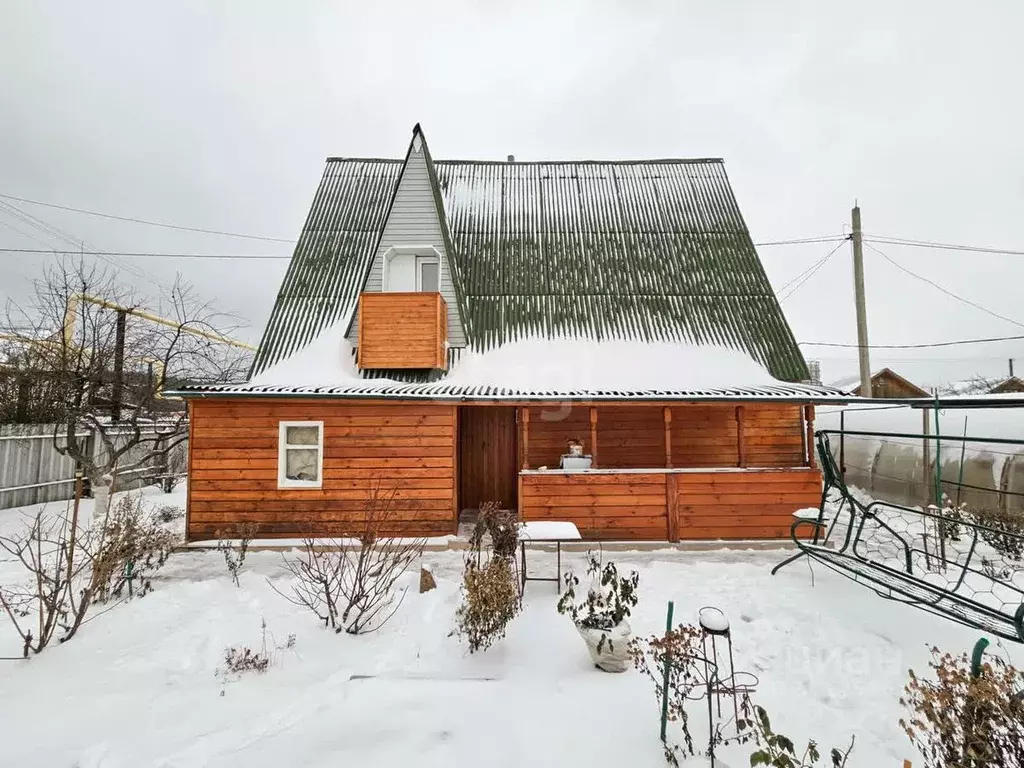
(118, 385)
(861, 304)
(809, 421)
(667, 414)
(741, 441)
(526, 438)
(593, 437)
(671, 506)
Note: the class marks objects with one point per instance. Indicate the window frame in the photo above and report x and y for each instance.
(282, 455)
(420, 261)
(420, 254)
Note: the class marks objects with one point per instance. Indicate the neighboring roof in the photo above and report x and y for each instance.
(852, 383)
(644, 250)
(539, 369)
(1012, 384)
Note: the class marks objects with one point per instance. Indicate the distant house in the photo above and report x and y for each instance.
(885, 383)
(447, 328)
(1012, 384)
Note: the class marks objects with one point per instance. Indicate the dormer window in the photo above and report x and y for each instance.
(408, 273)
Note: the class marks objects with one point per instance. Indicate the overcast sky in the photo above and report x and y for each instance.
(219, 115)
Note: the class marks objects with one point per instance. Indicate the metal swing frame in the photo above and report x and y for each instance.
(852, 557)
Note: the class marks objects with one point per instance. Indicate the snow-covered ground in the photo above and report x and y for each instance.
(137, 686)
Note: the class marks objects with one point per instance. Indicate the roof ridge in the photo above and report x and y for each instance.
(645, 161)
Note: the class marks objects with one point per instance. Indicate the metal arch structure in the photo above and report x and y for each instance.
(941, 563)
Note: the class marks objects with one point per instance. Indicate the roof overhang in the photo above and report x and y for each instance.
(792, 393)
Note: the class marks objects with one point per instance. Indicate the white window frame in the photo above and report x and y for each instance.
(282, 454)
(421, 254)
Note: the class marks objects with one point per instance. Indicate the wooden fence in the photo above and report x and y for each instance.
(32, 471)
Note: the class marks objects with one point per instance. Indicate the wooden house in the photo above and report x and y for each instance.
(1006, 386)
(885, 383)
(445, 328)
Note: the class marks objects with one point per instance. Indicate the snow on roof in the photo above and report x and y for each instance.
(537, 367)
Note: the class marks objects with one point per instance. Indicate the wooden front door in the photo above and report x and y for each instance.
(488, 468)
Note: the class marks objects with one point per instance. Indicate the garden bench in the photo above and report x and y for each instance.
(955, 568)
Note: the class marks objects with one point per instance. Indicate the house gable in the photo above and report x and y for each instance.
(415, 227)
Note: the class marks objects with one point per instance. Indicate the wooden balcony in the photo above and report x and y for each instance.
(402, 330)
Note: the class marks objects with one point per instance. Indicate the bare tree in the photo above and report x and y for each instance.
(104, 363)
(352, 585)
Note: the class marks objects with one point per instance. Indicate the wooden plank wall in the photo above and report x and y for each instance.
(488, 460)
(741, 505)
(551, 428)
(633, 437)
(629, 506)
(234, 448)
(402, 330)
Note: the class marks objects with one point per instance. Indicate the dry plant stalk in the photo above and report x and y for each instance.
(353, 589)
(234, 557)
(964, 721)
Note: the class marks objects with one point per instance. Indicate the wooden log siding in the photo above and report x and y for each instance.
(647, 437)
(629, 506)
(402, 330)
(752, 504)
(409, 447)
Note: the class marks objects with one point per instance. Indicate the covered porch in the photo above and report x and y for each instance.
(659, 471)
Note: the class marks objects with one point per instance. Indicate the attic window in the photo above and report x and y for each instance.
(409, 273)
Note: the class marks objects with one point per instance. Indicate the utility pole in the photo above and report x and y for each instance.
(862, 313)
(1011, 367)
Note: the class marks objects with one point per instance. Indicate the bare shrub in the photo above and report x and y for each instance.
(234, 556)
(352, 586)
(239, 660)
(67, 567)
(168, 513)
(958, 719)
(1003, 530)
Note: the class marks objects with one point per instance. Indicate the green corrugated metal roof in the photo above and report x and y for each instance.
(652, 250)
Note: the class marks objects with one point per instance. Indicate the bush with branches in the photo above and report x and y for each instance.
(490, 583)
(68, 566)
(352, 586)
(1003, 530)
(240, 659)
(957, 718)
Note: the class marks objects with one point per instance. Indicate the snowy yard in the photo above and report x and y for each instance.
(137, 686)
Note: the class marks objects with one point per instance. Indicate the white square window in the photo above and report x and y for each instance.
(407, 272)
(300, 454)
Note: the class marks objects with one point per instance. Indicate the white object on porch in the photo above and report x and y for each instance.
(553, 531)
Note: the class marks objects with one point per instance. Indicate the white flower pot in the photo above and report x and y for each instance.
(614, 651)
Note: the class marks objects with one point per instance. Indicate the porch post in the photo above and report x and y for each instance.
(667, 414)
(526, 437)
(593, 437)
(741, 441)
(809, 419)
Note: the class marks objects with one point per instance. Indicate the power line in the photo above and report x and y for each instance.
(145, 221)
(145, 254)
(944, 290)
(885, 239)
(801, 240)
(808, 273)
(912, 346)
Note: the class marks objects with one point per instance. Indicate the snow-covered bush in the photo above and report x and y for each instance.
(958, 719)
(234, 555)
(168, 513)
(490, 586)
(352, 587)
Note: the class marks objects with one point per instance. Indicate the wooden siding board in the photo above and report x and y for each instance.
(234, 478)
